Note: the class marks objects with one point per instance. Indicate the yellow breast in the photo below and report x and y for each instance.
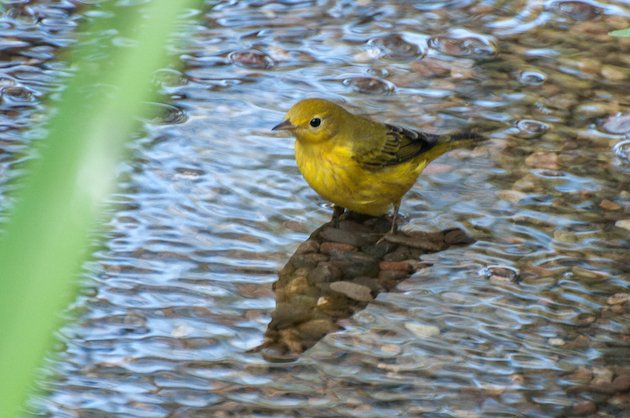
(330, 170)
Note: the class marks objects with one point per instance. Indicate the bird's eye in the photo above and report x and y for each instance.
(315, 122)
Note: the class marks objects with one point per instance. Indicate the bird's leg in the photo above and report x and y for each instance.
(337, 212)
(394, 229)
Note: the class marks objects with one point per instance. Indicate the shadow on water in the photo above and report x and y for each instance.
(336, 272)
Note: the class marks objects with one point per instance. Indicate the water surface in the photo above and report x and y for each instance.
(211, 206)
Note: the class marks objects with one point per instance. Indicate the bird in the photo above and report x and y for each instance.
(360, 164)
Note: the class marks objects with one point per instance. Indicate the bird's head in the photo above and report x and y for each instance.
(314, 120)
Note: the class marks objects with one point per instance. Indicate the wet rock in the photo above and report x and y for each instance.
(432, 68)
(298, 286)
(620, 401)
(543, 159)
(577, 10)
(308, 246)
(617, 124)
(618, 298)
(422, 240)
(251, 58)
(601, 376)
(532, 77)
(369, 282)
(581, 375)
(556, 342)
(344, 236)
(353, 290)
(309, 260)
(17, 93)
(609, 205)
(581, 341)
(457, 237)
(287, 314)
(325, 272)
(463, 43)
(529, 128)
(623, 223)
(562, 235)
(422, 330)
(391, 276)
(355, 264)
(380, 249)
(513, 196)
(315, 329)
(401, 253)
(395, 46)
(501, 274)
(621, 383)
(614, 73)
(396, 265)
(369, 85)
(335, 247)
(582, 408)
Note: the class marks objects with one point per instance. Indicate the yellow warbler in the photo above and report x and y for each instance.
(357, 163)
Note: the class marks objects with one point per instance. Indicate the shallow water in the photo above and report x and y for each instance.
(211, 206)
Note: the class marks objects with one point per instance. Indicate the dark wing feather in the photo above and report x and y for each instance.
(399, 146)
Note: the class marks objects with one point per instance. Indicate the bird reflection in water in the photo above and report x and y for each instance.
(336, 272)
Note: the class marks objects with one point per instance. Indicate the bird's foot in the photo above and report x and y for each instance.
(338, 211)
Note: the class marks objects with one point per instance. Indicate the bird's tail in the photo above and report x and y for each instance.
(445, 143)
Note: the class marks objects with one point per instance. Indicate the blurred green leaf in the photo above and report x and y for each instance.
(622, 33)
(46, 237)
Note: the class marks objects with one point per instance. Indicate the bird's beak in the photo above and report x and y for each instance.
(283, 126)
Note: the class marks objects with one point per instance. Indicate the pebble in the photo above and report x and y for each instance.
(369, 85)
(392, 349)
(561, 235)
(584, 408)
(316, 328)
(609, 205)
(532, 77)
(623, 223)
(251, 58)
(325, 272)
(617, 124)
(421, 240)
(309, 260)
(601, 376)
(396, 265)
(431, 67)
(614, 73)
(395, 46)
(463, 43)
(529, 128)
(556, 342)
(308, 246)
(543, 159)
(513, 196)
(620, 401)
(422, 330)
(287, 314)
(345, 237)
(621, 383)
(457, 237)
(353, 290)
(581, 375)
(577, 10)
(618, 298)
(333, 247)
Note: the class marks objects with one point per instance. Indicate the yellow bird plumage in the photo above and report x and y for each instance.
(357, 163)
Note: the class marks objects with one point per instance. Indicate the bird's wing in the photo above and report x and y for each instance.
(398, 146)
